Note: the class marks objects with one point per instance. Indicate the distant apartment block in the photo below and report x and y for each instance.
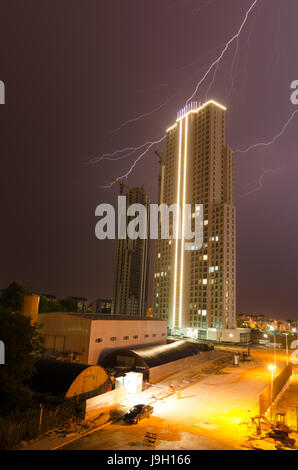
(131, 266)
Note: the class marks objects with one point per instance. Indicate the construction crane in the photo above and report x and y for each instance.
(161, 175)
(122, 186)
(160, 157)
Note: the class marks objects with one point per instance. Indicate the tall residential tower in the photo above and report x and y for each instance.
(196, 290)
(131, 265)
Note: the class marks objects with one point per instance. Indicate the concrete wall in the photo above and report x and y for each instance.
(64, 332)
(228, 335)
(139, 333)
(165, 370)
(104, 402)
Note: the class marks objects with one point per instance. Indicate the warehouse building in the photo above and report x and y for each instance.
(156, 362)
(88, 338)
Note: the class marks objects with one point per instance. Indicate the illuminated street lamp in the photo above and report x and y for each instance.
(272, 368)
(274, 335)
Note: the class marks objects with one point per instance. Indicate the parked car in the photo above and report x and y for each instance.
(137, 413)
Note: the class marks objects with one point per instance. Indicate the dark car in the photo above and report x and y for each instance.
(138, 412)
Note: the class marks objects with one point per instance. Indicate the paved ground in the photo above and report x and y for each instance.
(212, 413)
(209, 414)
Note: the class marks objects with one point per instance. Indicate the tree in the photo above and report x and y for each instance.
(23, 347)
(12, 296)
(69, 305)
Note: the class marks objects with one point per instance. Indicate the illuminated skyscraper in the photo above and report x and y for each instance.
(131, 265)
(196, 290)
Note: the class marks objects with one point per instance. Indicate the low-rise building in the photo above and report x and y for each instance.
(87, 338)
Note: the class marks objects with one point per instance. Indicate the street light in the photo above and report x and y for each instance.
(287, 348)
(274, 335)
(272, 368)
(275, 353)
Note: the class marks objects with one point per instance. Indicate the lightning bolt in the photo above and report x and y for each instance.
(141, 116)
(214, 64)
(274, 139)
(126, 175)
(212, 81)
(260, 180)
(110, 156)
(162, 105)
(219, 58)
(233, 63)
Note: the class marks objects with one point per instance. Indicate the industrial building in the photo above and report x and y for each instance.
(195, 291)
(156, 362)
(88, 338)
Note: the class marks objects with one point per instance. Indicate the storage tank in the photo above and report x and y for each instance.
(30, 307)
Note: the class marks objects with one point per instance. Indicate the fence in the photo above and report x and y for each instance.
(28, 425)
(278, 384)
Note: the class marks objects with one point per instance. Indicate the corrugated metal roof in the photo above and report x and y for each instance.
(153, 356)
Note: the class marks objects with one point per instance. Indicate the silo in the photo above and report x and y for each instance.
(30, 307)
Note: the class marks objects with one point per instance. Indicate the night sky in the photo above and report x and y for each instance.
(76, 70)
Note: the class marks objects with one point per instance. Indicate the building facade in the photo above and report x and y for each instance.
(195, 291)
(88, 338)
(131, 266)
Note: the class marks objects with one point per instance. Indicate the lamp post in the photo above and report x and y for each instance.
(287, 348)
(272, 368)
(274, 354)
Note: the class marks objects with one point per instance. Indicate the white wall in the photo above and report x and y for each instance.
(107, 329)
(104, 402)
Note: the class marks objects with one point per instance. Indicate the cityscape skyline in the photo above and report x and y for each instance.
(148, 251)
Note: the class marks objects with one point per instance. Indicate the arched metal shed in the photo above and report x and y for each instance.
(152, 356)
(65, 379)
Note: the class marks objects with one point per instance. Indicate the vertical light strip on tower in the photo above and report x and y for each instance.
(183, 221)
(177, 229)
